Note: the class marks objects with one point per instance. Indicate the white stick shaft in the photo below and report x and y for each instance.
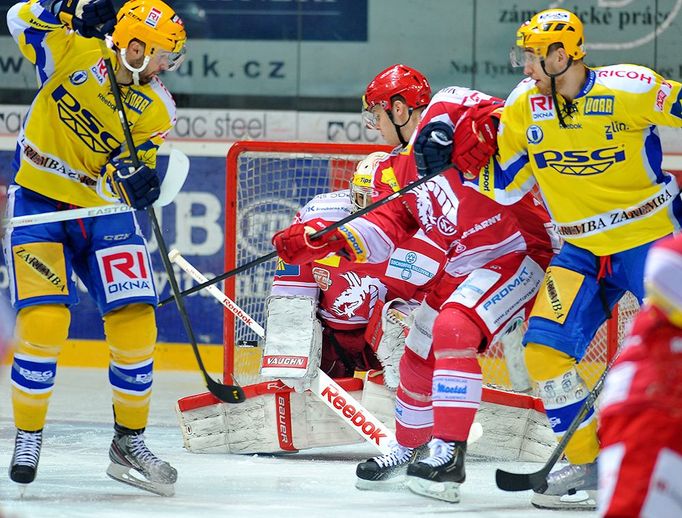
(326, 389)
(66, 215)
(176, 174)
(226, 301)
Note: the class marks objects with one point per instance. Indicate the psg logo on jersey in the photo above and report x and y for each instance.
(78, 77)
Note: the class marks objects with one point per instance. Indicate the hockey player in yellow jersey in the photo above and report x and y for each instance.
(71, 153)
(588, 138)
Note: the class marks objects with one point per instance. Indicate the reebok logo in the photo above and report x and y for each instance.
(354, 416)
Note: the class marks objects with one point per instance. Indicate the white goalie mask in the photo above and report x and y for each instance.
(361, 191)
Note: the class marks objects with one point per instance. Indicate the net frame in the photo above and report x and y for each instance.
(240, 362)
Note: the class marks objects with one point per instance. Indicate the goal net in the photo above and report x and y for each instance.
(267, 182)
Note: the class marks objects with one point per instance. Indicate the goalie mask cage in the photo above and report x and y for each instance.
(267, 182)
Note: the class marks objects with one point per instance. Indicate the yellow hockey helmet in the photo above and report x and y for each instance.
(361, 191)
(552, 26)
(155, 24)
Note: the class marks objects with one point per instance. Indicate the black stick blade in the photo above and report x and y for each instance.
(507, 481)
(226, 393)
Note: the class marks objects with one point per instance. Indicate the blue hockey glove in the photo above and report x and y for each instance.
(433, 148)
(138, 188)
(90, 18)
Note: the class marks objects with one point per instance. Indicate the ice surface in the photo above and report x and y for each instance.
(72, 483)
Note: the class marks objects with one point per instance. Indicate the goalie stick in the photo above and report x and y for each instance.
(174, 179)
(325, 388)
(524, 481)
(316, 235)
(227, 393)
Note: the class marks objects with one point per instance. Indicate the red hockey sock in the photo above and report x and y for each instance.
(457, 385)
(413, 419)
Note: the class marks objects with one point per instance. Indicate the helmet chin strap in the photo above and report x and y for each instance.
(133, 70)
(398, 127)
(555, 100)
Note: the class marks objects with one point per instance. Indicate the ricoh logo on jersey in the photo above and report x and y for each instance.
(541, 107)
(583, 162)
(125, 272)
(83, 123)
(99, 71)
(599, 105)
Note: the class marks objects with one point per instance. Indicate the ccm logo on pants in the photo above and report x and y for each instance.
(125, 272)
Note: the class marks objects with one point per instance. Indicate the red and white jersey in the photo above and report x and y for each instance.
(649, 369)
(473, 229)
(347, 292)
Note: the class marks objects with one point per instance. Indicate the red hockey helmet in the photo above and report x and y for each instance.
(401, 80)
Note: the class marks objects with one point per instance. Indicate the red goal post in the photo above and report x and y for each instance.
(267, 182)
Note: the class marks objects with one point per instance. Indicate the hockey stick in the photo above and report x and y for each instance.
(351, 411)
(524, 481)
(178, 167)
(316, 235)
(227, 393)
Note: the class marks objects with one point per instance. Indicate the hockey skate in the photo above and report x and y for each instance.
(441, 473)
(132, 463)
(387, 471)
(24, 465)
(572, 487)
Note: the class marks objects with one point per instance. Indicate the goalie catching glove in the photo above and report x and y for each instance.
(138, 188)
(90, 18)
(476, 137)
(294, 245)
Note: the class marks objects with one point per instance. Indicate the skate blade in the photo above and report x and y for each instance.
(446, 491)
(392, 484)
(580, 501)
(133, 478)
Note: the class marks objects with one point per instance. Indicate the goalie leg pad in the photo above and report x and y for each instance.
(273, 419)
(293, 338)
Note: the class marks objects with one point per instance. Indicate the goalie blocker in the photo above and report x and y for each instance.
(276, 419)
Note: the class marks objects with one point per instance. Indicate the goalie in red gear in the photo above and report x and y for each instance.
(497, 257)
(640, 415)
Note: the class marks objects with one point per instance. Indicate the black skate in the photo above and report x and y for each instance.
(572, 487)
(441, 473)
(132, 463)
(24, 465)
(387, 471)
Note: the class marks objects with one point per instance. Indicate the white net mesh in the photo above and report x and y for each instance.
(270, 187)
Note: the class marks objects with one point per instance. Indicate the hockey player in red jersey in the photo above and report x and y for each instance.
(496, 262)
(640, 420)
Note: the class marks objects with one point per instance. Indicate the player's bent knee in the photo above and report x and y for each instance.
(455, 335)
(131, 332)
(44, 327)
(415, 373)
(545, 362)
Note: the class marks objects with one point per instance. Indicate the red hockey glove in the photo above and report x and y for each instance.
(476, 138)
(294, 245)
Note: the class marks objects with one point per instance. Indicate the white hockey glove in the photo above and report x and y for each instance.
(420, 337)
(389, 351)
(293, 341)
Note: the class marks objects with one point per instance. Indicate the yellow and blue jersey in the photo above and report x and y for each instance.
(72, 129)
(600, 176)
